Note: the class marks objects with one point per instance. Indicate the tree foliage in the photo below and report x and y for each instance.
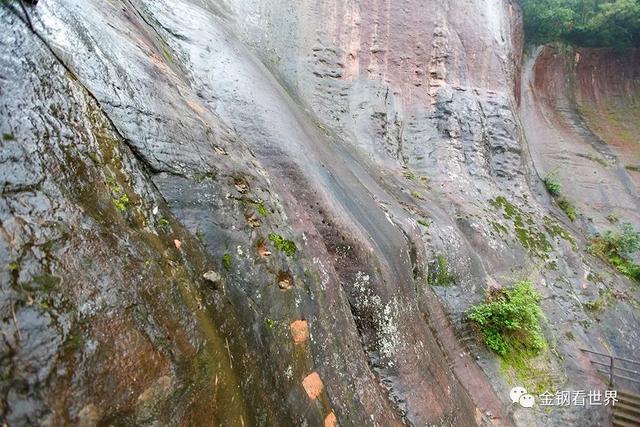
(588, 23)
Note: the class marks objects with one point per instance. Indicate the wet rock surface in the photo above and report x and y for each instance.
(228, 213)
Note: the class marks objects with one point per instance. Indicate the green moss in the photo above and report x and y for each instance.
(633, 168)
(118, 194)
(556, 230)
(163, 224)
(271, 324)
(167, 54)
(499, 228)
(227, 261)
(417, 195)
(44, 283)
(8, 137)
(282, 244)
(568, 208)
(122, 203)
(439, 273)
(423, 223)
(409, 174)
(605, 298)
(13, 266)
(262, 210)
(530, 238)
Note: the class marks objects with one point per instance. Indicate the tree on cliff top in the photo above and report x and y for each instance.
(588, 23)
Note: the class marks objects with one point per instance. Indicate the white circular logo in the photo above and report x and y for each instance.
(527, 401)
(516, 393)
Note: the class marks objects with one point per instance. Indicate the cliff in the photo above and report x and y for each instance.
(231, 213)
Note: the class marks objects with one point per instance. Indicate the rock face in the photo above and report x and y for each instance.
(230, 213)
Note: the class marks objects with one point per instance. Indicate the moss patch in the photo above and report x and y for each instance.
(283, 245)
(227, 261)
(530, 237)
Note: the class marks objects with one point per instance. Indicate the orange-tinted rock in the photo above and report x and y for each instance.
(300, 331)
(331, 420)
(313, 385)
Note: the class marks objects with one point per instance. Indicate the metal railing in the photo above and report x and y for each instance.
(612, 368)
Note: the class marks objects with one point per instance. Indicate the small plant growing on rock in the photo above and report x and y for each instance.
(568, 208)
(510, 320)
(618, 248)
(554, 188)
(439, 273)
(552, 185)
(227, 261)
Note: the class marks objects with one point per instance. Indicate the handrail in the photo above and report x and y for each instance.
(611, 365)
(637, 362)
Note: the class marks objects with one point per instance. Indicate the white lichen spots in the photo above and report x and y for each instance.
(388, 337)
(239, 250)
(288, 373)
(324, 275)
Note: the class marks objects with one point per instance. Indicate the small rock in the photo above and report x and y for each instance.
(178, 244)
(212, 276)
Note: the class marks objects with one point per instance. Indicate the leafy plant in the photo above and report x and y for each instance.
(552, 185)
(618, 248)
(510, 320)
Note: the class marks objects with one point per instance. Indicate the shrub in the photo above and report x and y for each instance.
(618, 248)
(553, 185)
(510, 320)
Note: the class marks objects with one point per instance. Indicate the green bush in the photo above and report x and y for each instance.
(588, 23)
(510, 320)
(618, 248)
(552, 184)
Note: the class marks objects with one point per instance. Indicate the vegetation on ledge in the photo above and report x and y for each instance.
(618, 248)
(510, 321)
(554, 188)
